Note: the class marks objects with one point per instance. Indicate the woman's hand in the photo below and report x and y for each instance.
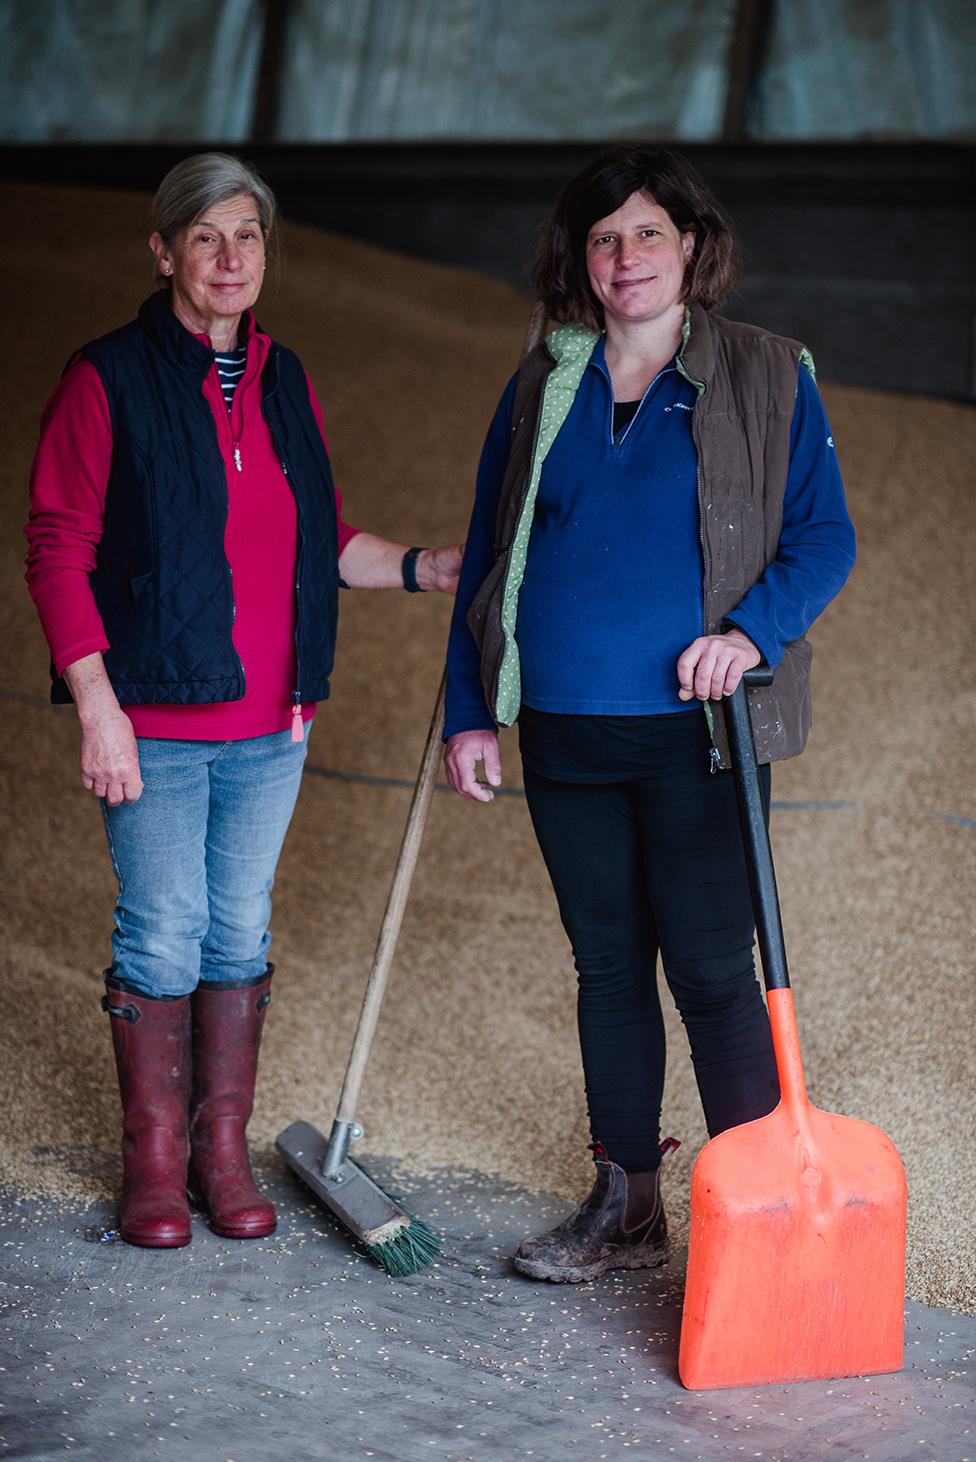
(713, 665)
(109, 754)
(438, 568)
(368, 562)
(110, 758)
(461, 755)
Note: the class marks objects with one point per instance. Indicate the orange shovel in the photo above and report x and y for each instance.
(796, 1256)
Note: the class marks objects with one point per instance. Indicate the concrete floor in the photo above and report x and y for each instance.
(296, 1347)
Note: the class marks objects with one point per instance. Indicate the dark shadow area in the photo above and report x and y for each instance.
(863, 252)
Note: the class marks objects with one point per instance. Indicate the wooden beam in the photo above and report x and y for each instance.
(750, 39)
(274, 22)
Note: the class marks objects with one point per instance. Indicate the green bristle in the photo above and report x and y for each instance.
(411, 1248)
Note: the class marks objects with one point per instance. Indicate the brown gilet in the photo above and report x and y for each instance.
(746, 382)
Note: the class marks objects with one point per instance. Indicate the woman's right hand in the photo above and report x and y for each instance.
(109, 753)
(110, 758)
(461, 755)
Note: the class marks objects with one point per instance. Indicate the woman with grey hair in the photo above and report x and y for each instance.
(186, 550)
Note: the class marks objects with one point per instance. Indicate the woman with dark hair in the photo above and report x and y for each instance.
(658, 508)
(186, 547)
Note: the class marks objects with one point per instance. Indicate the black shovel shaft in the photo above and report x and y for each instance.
(755, 835)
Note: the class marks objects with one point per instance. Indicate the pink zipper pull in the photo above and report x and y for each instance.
(237, 457)
(297, 726)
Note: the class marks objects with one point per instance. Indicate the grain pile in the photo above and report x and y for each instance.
(476, 1063)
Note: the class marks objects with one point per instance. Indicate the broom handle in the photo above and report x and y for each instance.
(393, 917)
(344, 1127)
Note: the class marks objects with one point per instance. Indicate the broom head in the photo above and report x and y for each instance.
(392, 1237)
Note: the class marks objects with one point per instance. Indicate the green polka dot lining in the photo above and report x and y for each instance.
(571, 346)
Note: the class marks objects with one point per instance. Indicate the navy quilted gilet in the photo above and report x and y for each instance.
(162, 582)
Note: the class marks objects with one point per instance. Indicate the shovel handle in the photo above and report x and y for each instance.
(755, 834)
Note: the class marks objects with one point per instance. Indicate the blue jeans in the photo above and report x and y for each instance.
(195, 858)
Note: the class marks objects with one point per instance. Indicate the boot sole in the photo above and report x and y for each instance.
(226, 1232)
(650, 1258)
(145, 1241)
(197, 1201)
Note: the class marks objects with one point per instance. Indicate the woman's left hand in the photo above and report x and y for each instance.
(713, 665)
(368, 562)
(438, 568)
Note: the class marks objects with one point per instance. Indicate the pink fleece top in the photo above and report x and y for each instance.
(68, 484)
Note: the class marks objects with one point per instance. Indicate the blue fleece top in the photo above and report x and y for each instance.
(612, 592)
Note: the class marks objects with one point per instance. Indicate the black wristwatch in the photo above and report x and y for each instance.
(408, 568)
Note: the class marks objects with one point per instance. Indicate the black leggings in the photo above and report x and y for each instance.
(656, 863)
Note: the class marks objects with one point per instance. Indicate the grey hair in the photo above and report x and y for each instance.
(196, 184)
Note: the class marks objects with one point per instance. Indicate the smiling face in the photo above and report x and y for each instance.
(216, 267)
(636, 259)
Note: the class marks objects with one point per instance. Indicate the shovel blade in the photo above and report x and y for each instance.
(796, 1257)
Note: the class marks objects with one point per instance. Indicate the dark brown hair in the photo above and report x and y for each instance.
(603, 186)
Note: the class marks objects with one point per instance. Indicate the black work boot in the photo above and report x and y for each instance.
(621, 1225)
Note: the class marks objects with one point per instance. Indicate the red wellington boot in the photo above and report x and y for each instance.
(152, 1054)
(227, 1026)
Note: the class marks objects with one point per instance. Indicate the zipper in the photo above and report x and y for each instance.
(233, 619)
(297, 730)
(237, 413)
(518, 519)
(235, 407)
(714, 755)
(619, 441)
(297, 726)
(235, 447)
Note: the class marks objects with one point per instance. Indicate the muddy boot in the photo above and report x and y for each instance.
(621, 1225)
(227, 1024)
(152, 1055)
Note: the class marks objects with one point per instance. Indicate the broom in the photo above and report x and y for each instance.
(392, 1237)
(396, 1240)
